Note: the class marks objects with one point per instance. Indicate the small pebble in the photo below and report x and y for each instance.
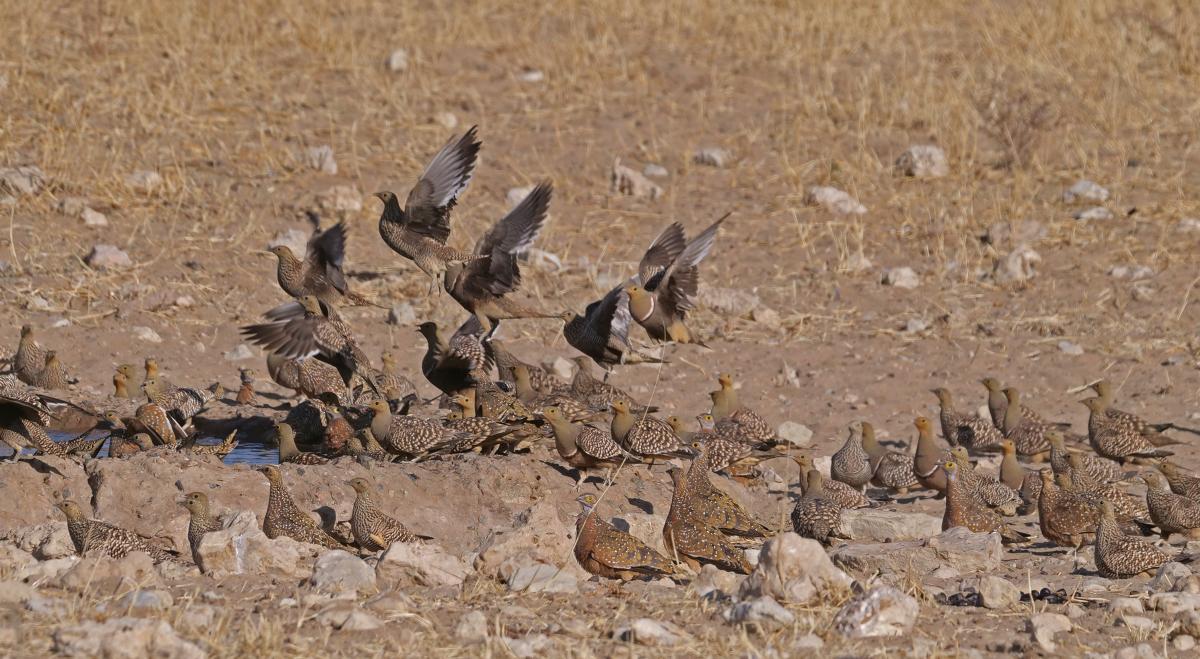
(143, 333)
(531, 75)
(446, 120)
(1069, 348)
(655, 171)
(144, 181)
(1095, 213)
(1085, 190)
(398, 60)
(712, 157)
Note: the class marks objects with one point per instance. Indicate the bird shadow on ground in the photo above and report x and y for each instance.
(43, 467)
(641, 504)
(565, 471)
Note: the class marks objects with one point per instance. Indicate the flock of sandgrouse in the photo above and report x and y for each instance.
(493, 402)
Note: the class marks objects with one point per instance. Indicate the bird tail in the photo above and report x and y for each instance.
(359, 300)
(1159, 439)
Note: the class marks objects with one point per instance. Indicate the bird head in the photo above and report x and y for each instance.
(942, 393)
(1008, 447)
(676, 424)
(1092, 404)
(1011, 394)
(921, 423)
(1102, 388)
(588, 501)
(311, 304)
(378, 406)
(1056, 439)
(725, 380)
(281, 251)
(359, 485)
(951, 469)
(271, 472)
(195, 502)
(70, 509)
(706, 421)
(992, 384)
(386, 197)
(428, 328)
(26, 331)
(620, 406)
(959, 453)
(552, 413)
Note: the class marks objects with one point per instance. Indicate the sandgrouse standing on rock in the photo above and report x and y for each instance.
(607, 552)
(373, 529)
(284, 518)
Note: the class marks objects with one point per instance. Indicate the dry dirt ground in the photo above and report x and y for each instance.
(222, 99)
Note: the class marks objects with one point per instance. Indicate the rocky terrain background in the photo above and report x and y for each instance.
(1044, 231)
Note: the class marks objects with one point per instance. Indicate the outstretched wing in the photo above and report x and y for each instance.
(681, 281)
(512, 234)
(427, 209)
(661, 253)
(327, 252)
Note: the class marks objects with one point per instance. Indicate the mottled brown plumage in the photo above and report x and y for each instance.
(958, 429)
(836, 491)
(1116, 440)
(219, 450)
(815, 515)
(890, 470)
(30, 356)
(851, 464)
(1028, 432)
(1151, 431)
(373, 529)
(1119, 556)
(484, 286)
(1127, 506)
(1067, 519)
(321, 272)
(1181, 483)
(1171, 513)
(406, 435)
(716, 509)
(24, 415)
(288, 453)
(602, 331)
(284, 518)
(121, 386)
(419, 230)
(245, 393)
(201, 521)
(1099, 468)
(598, 394)
(688, 539)
(644, 436)
(52, 375)
(604, 551)
(989, 491)
(965, 509)
(583, 446)
(727, 409)
(91, 536)
(452, 365)
(309, 328)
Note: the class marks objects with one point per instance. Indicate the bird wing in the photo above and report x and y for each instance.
(602, 333)
(661, 253)
(681, 280)
(444, 179)
(14, 392)
(509, 236)
(327, 253)
(294, 338)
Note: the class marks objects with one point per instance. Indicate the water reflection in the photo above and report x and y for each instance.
(247, 452)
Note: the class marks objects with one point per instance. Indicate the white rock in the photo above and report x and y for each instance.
(1119, 605)
(647, 631)
(1085, 190)
(903, 277)
(44, 541)
(397, 61)
(880, 611)
(340, 199)
(871, 525)
(793, 569)
(347, 617)
(239, 353)
(123, 637)
(834, 201)
(531, 645)
(427, 563)
(320, 158)
(1171, 578)
(338, 571)
(712, 157)
(760, 610)
(1043, 627)
(145, 600)
(61, 322)
(923, 161)
(542, 578)
(1188, 225)
(658, 171)
(241, 547)
(796, 434)
(144, 181)
(1015, 233)
(1069, 348)
(857, 262)
(1093, 214)
(447, 120)
(1183, 643)
(402, 314)
(143, 333)
(997, 593)
(1019, 265)
(472, 628)
(25, 180)
(184, 301)
(712, 579)
(626, 181)
(107, 257)
(37, 303)
(915, 325)
(1131, 272)
(562, 368)
(808, 642)
(766, 317)
(515, 196)
(531, 75)
(294, 239)
(1137, 623)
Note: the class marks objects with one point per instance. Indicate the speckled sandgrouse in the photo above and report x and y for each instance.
(727, 409)
(691, 541)
(989, 491)
(452, 365)
(419, 230)
(815, 515)
(373, 529)
(1171, 513)
(851, 464)
(607, 552)
(1152, 431)
(644, 436)
(963, 508)
(93, 536)
(1180, 482)
(284, 518)
(836, 491)
(890, 470)
(24, 415)
(1119, 556)
(201, 521)
(1101, 469)
(1115, 440)
(958, 429)
(30, 356)
(1028, 432)
(320, 273)
(1067, 519)
(308, 328)
(288, 453)
(582, 446)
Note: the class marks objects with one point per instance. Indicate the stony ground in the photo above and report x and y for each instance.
(189, 138)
